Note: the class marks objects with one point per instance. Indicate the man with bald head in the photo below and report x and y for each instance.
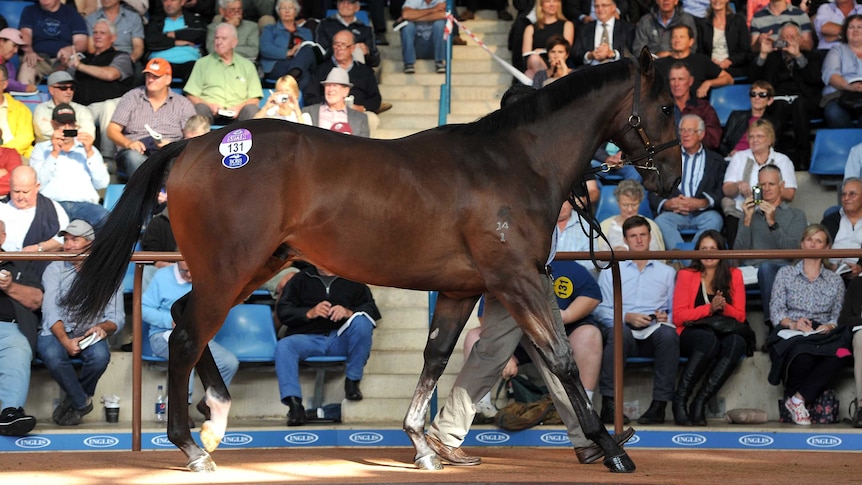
(32, 220)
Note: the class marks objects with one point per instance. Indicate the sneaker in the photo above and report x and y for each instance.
(440, 67)
(73, 417)
(409, 69)
(13, 422)
(798, 413)
(485, 407)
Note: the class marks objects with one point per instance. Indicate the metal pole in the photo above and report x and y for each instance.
(137, 379)
(618, 349)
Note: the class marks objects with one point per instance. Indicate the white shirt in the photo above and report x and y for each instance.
(18, 224)
(598, 40)
(72, 176)
(736, 167)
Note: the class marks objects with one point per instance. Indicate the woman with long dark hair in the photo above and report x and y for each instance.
(706, 289)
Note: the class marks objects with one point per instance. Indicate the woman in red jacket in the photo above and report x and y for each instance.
(707, 287)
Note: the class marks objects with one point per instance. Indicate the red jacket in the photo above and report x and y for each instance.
(685, 293)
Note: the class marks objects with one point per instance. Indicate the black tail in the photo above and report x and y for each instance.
(103, 271)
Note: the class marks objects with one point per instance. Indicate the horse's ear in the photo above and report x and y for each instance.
(645, 60)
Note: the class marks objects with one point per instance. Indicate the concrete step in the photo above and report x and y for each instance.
(493, 37)
(396, 297)
(458, 79)
(393, 133)
(394, 93)
(418, 122)
(403, 317)
(469, 51)
(459, 66)
(404, 362)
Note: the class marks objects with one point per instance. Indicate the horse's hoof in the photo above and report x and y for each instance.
(428, 462)
(209, 437)
(620, 464)
(203, 464)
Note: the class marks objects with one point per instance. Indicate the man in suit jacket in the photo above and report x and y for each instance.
(334, 113)
(591, 47)
(695, 203)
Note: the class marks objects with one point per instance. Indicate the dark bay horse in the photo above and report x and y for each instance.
(461, 209)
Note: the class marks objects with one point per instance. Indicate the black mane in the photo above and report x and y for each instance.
(577, 85)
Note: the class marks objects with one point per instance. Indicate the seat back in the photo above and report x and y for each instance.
(112, 195)
(248, 332)
(11, 11)
(607, 206)
(729, 98)
(831, 148)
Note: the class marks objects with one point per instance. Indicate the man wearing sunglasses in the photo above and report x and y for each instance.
(61, 87)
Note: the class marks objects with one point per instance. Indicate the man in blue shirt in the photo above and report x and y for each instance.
(647, 293)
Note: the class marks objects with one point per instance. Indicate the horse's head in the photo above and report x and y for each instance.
(649, 139)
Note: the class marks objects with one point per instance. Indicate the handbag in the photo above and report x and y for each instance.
(824, 409)
(850, 100)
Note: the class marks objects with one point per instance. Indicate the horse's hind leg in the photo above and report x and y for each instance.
(534, 316)
(450, 316)
(217, 400)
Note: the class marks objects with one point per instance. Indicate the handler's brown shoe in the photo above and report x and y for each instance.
(453, 456)
(590, 454)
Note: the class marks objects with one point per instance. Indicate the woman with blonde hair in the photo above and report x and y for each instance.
(283, 103)
(550, 21)
(629, 195)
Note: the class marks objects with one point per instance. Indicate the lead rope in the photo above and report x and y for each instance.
(585, 214)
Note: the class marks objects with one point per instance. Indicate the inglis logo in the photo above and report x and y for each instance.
(366, 438)
(301, 438)
(689, 439)
(236, 160)
(161, 440)
(756, 440)
(824, 441)
(32, 442)
(236, 439)
(634, 439)
(492, 437)
(101, 441)
(555, 438)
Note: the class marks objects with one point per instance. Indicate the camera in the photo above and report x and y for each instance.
(282, 98)
(780, 44)
(757, 194)
(70, 133)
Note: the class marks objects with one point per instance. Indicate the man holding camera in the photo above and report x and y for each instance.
(61, 87)
(769, 223)
(71, 169)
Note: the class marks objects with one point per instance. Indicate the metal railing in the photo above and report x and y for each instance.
(145, 257)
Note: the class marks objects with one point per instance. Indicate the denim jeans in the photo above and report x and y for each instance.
(15, 357)
(355, 343)
(671, 223)
(226, 362)
(81, 386)
(304, 60)
(838, 117)
(92, 213)
(418, 41)
(129, 160)
(765, 279)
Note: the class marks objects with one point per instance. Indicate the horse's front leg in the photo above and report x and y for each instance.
(450, 316)
(531, 305)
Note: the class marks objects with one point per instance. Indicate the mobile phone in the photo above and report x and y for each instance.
(779, 44)
(757, 194)
(70, 133)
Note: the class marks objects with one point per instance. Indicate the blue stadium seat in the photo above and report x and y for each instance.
(11, 11)
(607, 205)
(112, 195)
(729, 98)
(831, 147)
(147, 351)
(828, 212)
(248, 332)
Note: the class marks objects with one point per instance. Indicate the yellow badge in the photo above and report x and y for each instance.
(563, 287)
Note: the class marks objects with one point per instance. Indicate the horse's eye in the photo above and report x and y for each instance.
(667, 110)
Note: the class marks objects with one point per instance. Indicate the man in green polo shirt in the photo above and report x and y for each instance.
(224, 87)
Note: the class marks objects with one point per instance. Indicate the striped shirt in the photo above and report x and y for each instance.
(135, 110)
(764, 20)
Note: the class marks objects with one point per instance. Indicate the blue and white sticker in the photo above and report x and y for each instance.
(234, 147)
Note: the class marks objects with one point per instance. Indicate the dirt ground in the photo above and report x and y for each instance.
(394, 465)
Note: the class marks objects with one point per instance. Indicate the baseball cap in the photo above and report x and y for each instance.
(63, 113)
(158, 67)
(12, 34)
(79, 228)
(60, 77)
(342, 128)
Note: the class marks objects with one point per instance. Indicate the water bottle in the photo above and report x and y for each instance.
(161, 406)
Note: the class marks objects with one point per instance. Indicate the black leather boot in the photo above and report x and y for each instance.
(693, 372)
(608, 409)
(717, 377)
(351, 390)
(655, 413)
(296, 414)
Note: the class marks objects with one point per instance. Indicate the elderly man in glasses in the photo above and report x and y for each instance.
(61, 87)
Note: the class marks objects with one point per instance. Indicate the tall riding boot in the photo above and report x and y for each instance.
(719, 375)
(693, 372)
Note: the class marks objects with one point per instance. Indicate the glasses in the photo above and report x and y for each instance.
(753, 94)
(341, 45)
(233, 10)
(633, 205)
(849, 195)
(65, 87)
(688, 131)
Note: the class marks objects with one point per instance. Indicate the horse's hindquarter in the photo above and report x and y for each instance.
(413, 213)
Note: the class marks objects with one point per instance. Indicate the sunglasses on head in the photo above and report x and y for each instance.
(752, 94)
